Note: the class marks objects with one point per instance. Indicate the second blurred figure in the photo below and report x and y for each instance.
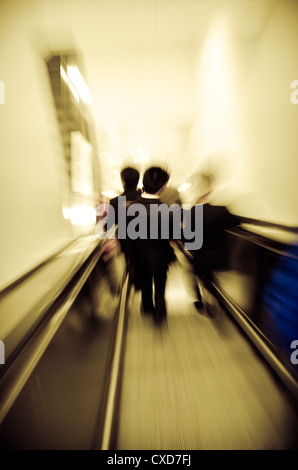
(150, 257)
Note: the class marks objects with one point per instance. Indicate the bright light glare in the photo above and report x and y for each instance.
(217, 92)
(79, 83)
(140, 154)
(66, 213)
(110, 194)
(183, 187)
(82, 215)
(68, 82)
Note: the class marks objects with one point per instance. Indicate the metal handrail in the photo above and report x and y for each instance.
(6, 290)
(270, 244)
(19, 371)
(267, 224)
(114, 381)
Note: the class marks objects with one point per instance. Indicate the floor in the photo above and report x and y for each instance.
(196, 383)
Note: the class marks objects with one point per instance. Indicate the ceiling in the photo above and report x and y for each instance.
(140, 60)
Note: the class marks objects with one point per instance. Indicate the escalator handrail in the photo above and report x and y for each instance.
(114, 385)
(24, 277)
(267, 224)
(276, 246)
(18, 371)
(245, 233)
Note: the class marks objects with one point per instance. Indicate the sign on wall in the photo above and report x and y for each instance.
(81, 164)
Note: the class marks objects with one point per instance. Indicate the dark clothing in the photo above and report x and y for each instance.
(130, 195)
(150, 257)
(155, 253)
(158, 279)
(212, 255)
(215, 220)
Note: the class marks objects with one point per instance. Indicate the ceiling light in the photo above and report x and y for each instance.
(69, 83)
(78, 81)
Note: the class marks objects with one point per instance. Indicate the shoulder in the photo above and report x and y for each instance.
(114, 201)
(132, 195)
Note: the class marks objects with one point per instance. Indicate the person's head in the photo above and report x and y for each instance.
(155, 180)
(130, 177)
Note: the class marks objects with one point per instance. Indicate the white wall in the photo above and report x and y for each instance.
(271, 119)
(32, 173)
(256, 145)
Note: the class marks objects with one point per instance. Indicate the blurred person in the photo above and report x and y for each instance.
(108, 248)
(130, 179)
(170, 196)
(212, 255)
(151, 256)
(112, 246)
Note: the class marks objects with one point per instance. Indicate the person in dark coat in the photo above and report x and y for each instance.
(130, 178)
(216, 219)
(115, 266)
(150, 255)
